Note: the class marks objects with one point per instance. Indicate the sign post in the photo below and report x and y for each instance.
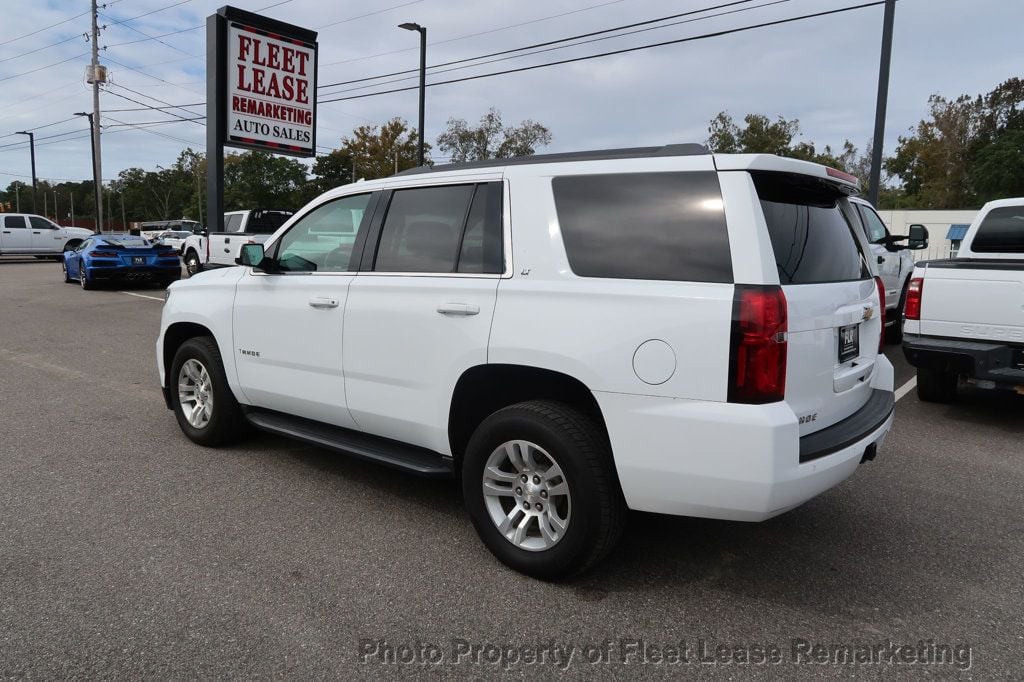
(260, 93)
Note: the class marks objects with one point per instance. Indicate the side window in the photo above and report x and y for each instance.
(14, 222)
(40, 223)
(322, 240)
(873, 225)
(233, 222)
(423, 228)
(482, 244)
(659, 226)
(84, 245)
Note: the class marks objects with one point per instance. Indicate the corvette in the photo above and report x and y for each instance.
(120, 258)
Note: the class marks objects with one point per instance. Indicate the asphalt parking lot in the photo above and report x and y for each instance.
(128, 551)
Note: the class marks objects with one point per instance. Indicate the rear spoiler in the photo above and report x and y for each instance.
(846, 183)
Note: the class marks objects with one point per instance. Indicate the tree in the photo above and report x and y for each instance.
(491, 139)
(967, 151)
(376, 151)
(332, 170)
(255, 180)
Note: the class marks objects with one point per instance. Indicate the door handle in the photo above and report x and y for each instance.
(37, 233)
(458, 309)
(7, 231)
(227, 240)
(323, 302)
(881, 260)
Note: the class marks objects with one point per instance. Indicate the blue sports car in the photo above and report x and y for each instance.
(120, 258)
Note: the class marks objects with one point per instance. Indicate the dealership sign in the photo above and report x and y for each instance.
(271, 90)
(266, 73)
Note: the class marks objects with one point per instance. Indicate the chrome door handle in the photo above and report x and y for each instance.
(323, 302)
(458, 309)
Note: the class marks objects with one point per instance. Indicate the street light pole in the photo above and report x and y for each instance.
(95, 177)
(409, 26)
(32, 147)
(878, 142)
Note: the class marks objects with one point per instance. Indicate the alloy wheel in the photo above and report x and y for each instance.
(527, 495)
(195, 393)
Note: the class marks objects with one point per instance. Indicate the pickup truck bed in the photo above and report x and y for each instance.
(965, 315)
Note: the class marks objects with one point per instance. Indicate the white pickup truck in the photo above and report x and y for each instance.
(965, 315)
(220, 249)
(33, 235)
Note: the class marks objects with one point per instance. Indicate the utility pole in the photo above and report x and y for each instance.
(96, 184)
(32, 148)
(72, 209)
(56, 211)
(878, 142)
(124, 223)
(96, 74)
(17, 198)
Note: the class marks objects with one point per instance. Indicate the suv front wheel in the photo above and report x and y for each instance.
(541, 490)
(204, 406)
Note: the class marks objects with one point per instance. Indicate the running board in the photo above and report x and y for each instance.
(390, 453)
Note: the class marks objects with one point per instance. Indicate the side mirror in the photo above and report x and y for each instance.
(252, 256)
(918, 238)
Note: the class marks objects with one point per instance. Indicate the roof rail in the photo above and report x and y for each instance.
(689, 149)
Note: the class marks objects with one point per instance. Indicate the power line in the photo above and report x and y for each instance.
(152, 132)
(563, 47)
(41, 68)
(480, 33)
(677, 41)
(544, 44)
(40, 49)
(155, 99)
(45, 28)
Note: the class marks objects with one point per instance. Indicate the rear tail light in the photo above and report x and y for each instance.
(912, 306)
(103, 254)
(881, 313)
(759, 345)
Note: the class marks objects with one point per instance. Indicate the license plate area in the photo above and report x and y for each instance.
(849, 342)
(138, 260)
(1018, 358)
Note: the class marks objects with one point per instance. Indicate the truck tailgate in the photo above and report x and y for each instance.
(974, 300)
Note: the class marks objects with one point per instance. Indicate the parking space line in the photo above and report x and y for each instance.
(132, 293)
(906, 388)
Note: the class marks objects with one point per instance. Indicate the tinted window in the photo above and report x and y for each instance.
(482, 242)
(811, 237)
(267, 222)
(40, 223)
(322, 240)
(423, 229)
(232, 222)
(1001, 231)
(668, 226)
(873, 225)
(14, 222)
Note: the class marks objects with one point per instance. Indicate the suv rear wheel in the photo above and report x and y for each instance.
(204, 406)
(936, 386)
(540, 487)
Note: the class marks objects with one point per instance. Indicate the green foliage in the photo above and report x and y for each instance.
(491, 139)
(968, 150)
(377, 151)
(261, 180)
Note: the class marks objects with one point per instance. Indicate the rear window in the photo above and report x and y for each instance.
(267, 222)
(661, 226)
(1001, 231)
(812, 239)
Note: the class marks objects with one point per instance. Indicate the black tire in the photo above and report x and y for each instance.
(578, 443)
(83, 278)
(936, 386)
(64, 269)
(192, 263)
(227, 423)
(894, 334)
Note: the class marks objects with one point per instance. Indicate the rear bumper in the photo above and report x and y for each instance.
(145, 273)
(998, 362)
(733, 462)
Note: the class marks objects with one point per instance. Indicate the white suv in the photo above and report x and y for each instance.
(572, 335)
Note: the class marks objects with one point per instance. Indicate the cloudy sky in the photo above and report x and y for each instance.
(821, 70)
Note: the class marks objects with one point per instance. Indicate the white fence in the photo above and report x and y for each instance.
(938, 224)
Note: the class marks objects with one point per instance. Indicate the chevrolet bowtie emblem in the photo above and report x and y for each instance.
(869, 312)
